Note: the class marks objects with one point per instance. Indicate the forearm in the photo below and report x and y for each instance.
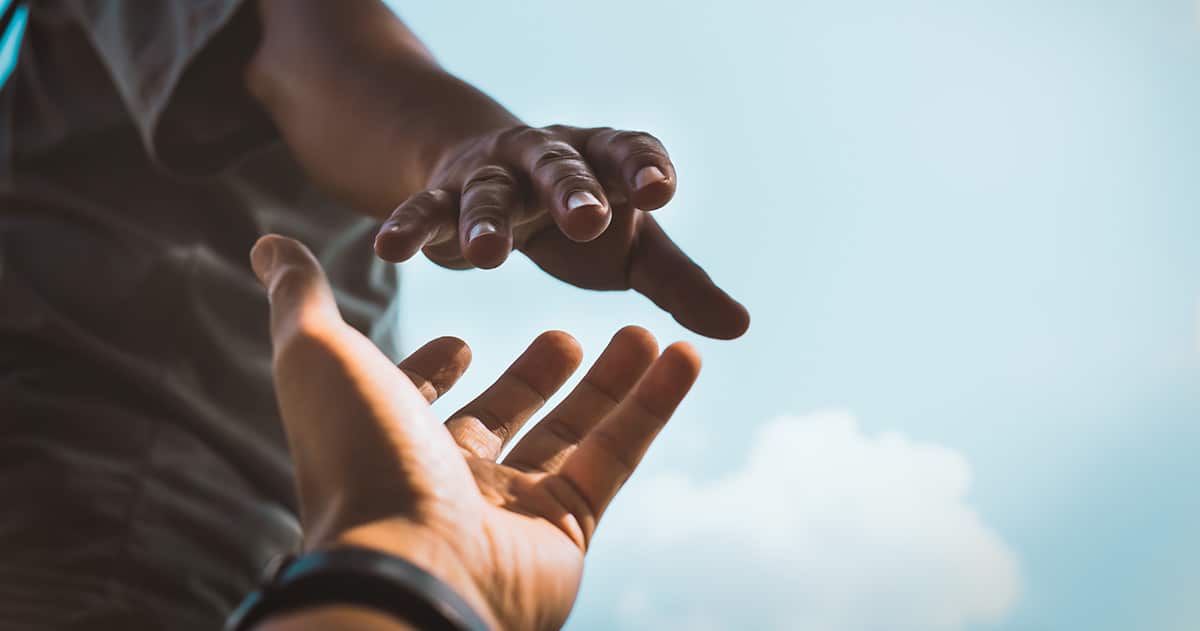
(359, 99)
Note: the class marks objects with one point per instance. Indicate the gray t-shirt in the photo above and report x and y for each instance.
(135, 386)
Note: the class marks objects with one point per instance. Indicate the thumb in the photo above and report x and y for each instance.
(296, 286)
(362, 437)
(661, 271)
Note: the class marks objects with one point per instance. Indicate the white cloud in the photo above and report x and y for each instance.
(823, 528)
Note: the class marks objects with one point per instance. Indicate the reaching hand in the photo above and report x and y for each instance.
(574, 200)
(375, 468)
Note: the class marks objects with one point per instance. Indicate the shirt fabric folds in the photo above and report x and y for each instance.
(144, 476)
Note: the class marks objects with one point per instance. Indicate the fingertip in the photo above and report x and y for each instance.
(262, 257)
(683, 359)
(652, 188)
(734, 325)
(630, 352)
(440, 362)
(637, 338)
(414, 224)
(670, 378)
(560, 344)
(727, 319)
(450, 339)
(586, 217)
(487, 246)
(302, 304)
(588, 223)
(546, 364)
(454, 347)
(271, 251)
(395, 244)
(741, 321)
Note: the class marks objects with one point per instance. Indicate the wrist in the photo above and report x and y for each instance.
(351, 582)
(334, 617)
(433, 554)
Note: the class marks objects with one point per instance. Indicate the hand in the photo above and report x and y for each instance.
(575, 201)
(375, 468)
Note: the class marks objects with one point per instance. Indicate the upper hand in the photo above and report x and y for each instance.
(576, 202)
(375, 468)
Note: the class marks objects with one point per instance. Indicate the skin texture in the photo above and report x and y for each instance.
(336, 617)
(375, 468)
(376, 121)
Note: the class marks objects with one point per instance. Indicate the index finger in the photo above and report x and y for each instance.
(435, 367)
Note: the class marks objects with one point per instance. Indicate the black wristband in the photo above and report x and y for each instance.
(357, 576)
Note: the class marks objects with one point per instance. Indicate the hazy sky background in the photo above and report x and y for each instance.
(967, 232)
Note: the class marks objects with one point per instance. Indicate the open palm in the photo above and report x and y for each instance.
(375, 468)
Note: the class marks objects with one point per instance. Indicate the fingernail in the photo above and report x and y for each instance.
(481, 228)
(262, 259)
(579, 199)
(647, 176)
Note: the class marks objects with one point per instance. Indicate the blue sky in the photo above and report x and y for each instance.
(967, 234)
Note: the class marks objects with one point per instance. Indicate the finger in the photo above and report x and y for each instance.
(609, 380)
(490, 198)
(608, 455)
(660, 271)
(634, 163)
(484, 426)
(566, 186)
(299, 294)
(359, 433)
(422, 219)
(436, 366)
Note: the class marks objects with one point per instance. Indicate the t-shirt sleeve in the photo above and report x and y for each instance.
(179, 67)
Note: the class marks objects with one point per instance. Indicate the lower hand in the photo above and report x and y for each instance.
(376, 469)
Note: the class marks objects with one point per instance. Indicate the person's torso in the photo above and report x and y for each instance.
(108, 260)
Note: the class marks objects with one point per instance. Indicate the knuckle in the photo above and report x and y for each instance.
(561, 130)
(524, 136)
(489, 177)
(642, 144)
(425, 202)
(620, 148)
(573, 181)
(626, 135)
(601, 135)
(598, 139)
(484, 209)
(430, 198)
(494, 205)
(636, 141)
(556, 155)
(491, 191)
(616, 449)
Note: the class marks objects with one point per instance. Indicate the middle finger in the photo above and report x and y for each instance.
(485, 425)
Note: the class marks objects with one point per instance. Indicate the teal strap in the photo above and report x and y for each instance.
(14, 15)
